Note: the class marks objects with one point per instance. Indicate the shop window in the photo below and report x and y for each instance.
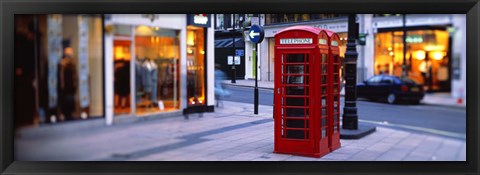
(121, 69)
(157, 54)
(68, 66)
(195, 66)
(426, 57)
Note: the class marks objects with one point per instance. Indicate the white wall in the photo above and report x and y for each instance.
(459, 51)
(108, 39)
(183, 53)
(169, 21)
(210, 63)
(248, 59)
(367, 52)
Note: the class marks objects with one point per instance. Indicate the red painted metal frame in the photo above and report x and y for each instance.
(313, 144)
(334, 77)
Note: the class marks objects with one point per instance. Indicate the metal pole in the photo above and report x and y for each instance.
(234, 72)
(404, 65)
(350, 117)
(255, 111)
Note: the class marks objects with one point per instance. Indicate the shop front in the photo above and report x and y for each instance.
(266, 49)
(433, 49)
(58, 66)
(197, 40)
(157, 64)
(427, 55)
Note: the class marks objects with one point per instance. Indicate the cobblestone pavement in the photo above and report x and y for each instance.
(232, 133)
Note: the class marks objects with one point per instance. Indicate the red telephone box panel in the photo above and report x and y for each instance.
(334, 76)
(300, 100)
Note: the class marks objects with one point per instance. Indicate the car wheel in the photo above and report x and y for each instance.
(391, 98)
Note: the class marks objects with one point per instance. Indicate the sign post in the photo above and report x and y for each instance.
(256, 34)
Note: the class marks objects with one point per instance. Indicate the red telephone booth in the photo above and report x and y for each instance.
(301, 91)
(334, 90)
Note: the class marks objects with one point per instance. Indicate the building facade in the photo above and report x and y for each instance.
(435, 49)
(435, 54)
(229, 42)
(159, 64)
(273, 23)
(77, 67)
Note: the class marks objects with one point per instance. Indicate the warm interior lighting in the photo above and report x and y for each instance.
(420, 55)
(391, 53)
(434, 47)
(189, 51)
(119, 52)
(191, 38)
(202, 52)
(438, 55)
(143, 31)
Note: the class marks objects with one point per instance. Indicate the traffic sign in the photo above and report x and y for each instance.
(256, 34)
(240, 52)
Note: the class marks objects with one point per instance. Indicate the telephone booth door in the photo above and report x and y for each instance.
(293, 98)
(322, 88)
(334, 93)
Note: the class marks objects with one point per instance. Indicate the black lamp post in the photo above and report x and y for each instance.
(234, 72)
(404, 65)
(350, 117)
(350, 127)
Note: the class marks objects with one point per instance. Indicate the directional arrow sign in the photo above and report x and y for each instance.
(253, 34)
(256, 34)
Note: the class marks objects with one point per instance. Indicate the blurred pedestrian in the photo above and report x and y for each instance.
(68, 81)
(24, 93)
(425, 69)
(220, 91)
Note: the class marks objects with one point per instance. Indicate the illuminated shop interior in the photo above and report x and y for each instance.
(195, 66)
(155, 58)
(422, 46)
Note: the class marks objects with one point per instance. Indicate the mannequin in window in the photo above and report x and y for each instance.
(150, 79)
(138, 78)
(122, 82)
(442, 74)
(426, 70)
(68, 82)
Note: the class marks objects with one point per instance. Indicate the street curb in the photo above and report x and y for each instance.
(239, 85)
(448, 106)
(343, 95)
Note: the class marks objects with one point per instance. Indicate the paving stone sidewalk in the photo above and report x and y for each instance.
(232, 133)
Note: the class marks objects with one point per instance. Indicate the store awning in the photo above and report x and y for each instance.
(227, 42)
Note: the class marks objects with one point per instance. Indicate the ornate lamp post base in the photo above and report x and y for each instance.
(350, 126)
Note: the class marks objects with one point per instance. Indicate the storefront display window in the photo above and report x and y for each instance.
(157, 53)
(122, 55)
(195, 66)
(67, 61)
(427, 56)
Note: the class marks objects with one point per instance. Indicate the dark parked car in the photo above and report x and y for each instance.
(390, 88)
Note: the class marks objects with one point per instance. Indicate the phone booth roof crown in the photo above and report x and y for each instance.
(303, 28)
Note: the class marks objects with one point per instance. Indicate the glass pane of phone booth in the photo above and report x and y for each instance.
(336, 94)
(295, 99)
(324, 91)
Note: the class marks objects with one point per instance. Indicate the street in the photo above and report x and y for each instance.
(445, 121)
